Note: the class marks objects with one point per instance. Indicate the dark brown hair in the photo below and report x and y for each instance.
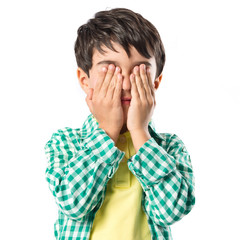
(124, 27)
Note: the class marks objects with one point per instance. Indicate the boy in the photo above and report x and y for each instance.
(116, 177)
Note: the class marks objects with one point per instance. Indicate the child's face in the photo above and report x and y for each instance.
(120, 59)
(126, 64)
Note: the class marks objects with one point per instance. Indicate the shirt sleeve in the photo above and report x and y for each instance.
(167, 179)
(77, 174)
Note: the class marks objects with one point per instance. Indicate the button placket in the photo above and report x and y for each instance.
(122, 176)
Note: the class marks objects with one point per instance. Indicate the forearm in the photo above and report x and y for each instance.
(166, 175)
(77, 178)
(78, 187)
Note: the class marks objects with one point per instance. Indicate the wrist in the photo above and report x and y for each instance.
(113, 134)
(140, 131)
(139, 137)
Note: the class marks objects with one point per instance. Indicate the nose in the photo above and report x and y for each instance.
(126, 84)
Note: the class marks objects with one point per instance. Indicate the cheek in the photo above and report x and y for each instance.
(152, 75)
(153, 70)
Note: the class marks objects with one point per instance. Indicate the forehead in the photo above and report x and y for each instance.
(120, 56)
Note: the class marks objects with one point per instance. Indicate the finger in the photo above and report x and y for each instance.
(151, 85)
(134, 91)
(118, 89)
(108, 78)
(100, 80)
(145, 80)
(113, 83)
(139, 84)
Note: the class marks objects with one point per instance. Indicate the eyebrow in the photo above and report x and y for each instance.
(148, 64)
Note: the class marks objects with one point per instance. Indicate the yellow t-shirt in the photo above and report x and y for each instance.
(121, 216)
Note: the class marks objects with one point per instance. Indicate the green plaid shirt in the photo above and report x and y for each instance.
(81, 162)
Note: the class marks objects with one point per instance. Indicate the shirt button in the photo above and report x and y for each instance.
(122, 139)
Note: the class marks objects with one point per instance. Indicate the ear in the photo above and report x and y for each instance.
(83, 80)
(157, 82)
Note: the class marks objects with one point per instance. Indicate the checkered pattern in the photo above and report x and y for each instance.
(81, 161)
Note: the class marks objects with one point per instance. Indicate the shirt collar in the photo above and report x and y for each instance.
(91, 124)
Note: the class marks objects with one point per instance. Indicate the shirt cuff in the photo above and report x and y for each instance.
(103, 149)
(151, 164)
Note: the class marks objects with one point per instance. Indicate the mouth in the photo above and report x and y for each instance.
(126, 101)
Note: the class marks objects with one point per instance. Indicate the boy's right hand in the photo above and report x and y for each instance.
(104, 101)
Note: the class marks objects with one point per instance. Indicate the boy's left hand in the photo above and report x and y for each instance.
(143, 100)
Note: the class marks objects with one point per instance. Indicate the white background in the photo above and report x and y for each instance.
(198, 100)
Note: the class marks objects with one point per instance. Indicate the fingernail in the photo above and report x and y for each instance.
(104, 69)
(131, 77)
(111, 67)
